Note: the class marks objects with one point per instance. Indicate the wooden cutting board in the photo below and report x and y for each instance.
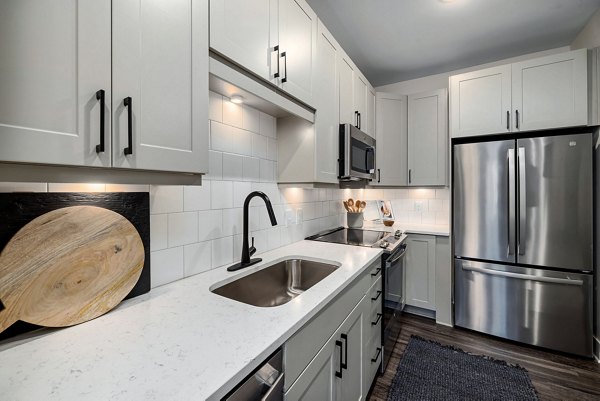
(69, 266)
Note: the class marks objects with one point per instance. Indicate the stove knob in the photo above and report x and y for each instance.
(398, 234)
(384, 244)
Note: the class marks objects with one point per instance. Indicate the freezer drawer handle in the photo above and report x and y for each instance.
(522, 276)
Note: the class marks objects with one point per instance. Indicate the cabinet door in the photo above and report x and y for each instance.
(327, 103)
(428, 138)
(55, 59)
(347, 110)
(246, 32)
(318, 381)
(480, 102)
(420, 271)
(298, 43)
(392, 139)
(550, 92)
(360, 99)
(370, 120)
(160, 62)
(350, 387)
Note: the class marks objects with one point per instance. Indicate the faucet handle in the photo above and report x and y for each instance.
(252, 249)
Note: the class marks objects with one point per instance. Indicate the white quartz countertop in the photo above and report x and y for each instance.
(429, 229)
(178, 342)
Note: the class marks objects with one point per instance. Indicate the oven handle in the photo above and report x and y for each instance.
(394, 259)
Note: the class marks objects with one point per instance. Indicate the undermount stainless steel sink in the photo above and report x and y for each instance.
(277, 284)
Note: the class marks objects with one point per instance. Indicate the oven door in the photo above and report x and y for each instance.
(393, 300)
(357, 154)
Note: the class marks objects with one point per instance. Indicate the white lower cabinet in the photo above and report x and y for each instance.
(342, 368)
(420, 271)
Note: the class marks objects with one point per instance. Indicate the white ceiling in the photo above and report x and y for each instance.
(396, 40)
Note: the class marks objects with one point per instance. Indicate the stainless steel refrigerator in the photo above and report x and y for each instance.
(523, 240)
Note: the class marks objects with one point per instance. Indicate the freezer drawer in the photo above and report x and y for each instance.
(538, 307)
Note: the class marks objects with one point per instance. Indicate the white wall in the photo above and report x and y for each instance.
(440, 81)
(589, 37)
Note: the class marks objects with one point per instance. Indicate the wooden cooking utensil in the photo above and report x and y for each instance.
(363, 205)
(346, 206)
(351, 204)
(357, 205)
(69, 266)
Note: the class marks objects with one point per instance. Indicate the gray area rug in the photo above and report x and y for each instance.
(431, 371)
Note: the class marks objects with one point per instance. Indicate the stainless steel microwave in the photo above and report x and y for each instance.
(357, 154)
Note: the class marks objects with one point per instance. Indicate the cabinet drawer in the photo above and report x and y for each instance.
(373, 357)
(374, 272)
(300, 349)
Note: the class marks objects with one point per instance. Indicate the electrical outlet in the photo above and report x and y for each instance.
(299, 216)
(290, 217)
(418, 206)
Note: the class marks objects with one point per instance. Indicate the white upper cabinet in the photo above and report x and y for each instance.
(550, 92)
(327, 104)
(347, 111)
(542, 93)
(360, 100)
(480, 102)
(392, 138)
(298, 42)
(55, 70)
(160, 82)
(371, 106)
(428, 138)
(246, 32)
(274, 39)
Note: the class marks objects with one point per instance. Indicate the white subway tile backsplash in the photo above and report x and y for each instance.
(233, 167)
(221, 195)
(240, 192)
(242, 141)
(215, 107)
(167, 266)
(166, 199)
(421, 193)
(428, 218)
(222, 251)
(272, 149)
(232, 113)
(251, 169)
(232, 221)
(443, 193)
(435, 205)
(221, 137)
(159, 232)
(127, 188)
(210, 224)
(259, 146)
(197, 197)
(250, 119)
(67, 187)
(197, 258)
(268, 125)
(215, 166)
(183, 228)
(442, 218)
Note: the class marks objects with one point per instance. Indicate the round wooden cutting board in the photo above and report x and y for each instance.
(69, 266)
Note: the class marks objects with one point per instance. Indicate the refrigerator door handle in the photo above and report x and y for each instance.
(511, 201)
(468, 267)
(522, 202)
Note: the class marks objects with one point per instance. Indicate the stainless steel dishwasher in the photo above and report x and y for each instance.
(264, 384)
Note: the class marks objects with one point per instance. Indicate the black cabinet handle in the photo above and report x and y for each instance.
(356, 118)
(276, 49)
(129, 149)
(517, 117)
(377, 320)
(100, 95)
(376, 355)
(377, 297)
(376, 272)
(338, 343)
(359, 121)
(345, 364)
(284, 56)
(378, 175)
(507, 120)
(409, 176)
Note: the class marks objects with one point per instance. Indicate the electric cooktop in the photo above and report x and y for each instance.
(353, 236)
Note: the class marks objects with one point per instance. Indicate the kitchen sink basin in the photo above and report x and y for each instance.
(277, 284)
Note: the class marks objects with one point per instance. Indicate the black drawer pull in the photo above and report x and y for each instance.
(129, 149)
(338, 343)
(345, 364)
(100, 95)
(376, 321)
(377, 297)
(376, 355)
(376, 272)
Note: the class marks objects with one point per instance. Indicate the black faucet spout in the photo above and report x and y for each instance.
(247, 251)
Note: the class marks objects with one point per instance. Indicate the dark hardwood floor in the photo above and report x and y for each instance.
(555, 376)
